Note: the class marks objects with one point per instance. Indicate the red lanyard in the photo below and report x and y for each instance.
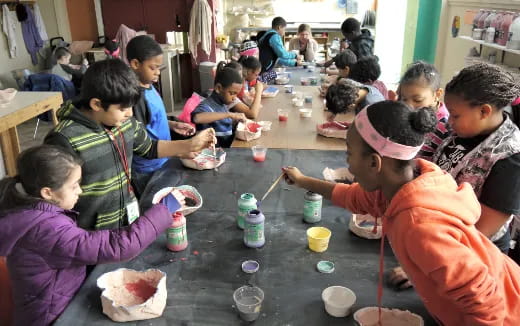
(122, 155)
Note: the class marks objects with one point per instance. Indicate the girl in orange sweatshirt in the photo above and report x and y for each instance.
(461, 276)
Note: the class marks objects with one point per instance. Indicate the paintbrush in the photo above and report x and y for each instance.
(339, 124)
(272, 187)
(215, 169)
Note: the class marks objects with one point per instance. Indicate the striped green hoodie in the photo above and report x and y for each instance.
(102, 205)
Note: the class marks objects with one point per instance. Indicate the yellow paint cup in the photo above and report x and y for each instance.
(318, 238)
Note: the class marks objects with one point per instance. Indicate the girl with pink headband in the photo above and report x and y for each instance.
(461, 276)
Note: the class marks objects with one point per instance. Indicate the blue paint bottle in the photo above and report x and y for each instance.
(254, 229)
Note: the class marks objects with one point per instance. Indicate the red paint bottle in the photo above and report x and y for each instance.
(176, 234)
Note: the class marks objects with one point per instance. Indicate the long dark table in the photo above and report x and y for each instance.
(201, 284)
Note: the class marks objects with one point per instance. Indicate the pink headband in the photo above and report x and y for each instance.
(383, 146)
(516, 101)
(250, 52)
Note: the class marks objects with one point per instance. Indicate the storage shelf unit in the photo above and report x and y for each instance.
(491, 45)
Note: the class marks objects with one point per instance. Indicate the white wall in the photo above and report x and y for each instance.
(23, 59)
(298, 11)
(451, 51)
(389, 42)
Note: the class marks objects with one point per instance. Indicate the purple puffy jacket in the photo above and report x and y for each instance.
(47, 254)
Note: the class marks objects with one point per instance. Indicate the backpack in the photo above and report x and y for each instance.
(267, 54)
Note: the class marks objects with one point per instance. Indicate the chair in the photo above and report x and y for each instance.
(44, 82)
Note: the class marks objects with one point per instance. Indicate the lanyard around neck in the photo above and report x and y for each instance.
(121, 151)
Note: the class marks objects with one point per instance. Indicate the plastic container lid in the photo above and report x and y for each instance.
(325, 266)
(250, 266)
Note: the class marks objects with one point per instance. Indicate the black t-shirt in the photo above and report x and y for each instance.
(501, 190)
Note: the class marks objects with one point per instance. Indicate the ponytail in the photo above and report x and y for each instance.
(228, 73)
(12, 195)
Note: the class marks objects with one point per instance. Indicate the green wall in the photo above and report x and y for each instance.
(427, 29)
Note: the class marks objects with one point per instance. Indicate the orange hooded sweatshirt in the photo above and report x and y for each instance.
(461, 276)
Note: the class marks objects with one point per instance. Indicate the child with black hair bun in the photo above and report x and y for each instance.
(461, 276)
(367, 71)
(214, 113)
(484, 149)
(420, 86)
(347, 95)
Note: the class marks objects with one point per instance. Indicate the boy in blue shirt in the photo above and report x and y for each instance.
(213, 112)
(272, 49)
(145, 57)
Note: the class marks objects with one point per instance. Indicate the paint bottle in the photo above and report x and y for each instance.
(254, 229)
(504, 28)
(176, 234)
(246, 202)
(312, 207)
(513, 41)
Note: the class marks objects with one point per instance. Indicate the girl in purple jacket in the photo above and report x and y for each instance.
(46, 251)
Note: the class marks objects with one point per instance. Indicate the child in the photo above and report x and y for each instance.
(360, 40)
(251, 92)
(64, 69)
(145, 57)
(420, 87)
(272, 50)
(462, 278)
(46, 251)
(304, 43)
(213, 112)
(491, 170)
(347, 95)
(250, 49)
(344, 63)
(100, 129)
(367, 71)
(484, 149)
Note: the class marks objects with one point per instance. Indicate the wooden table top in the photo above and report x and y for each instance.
(296, 132)
(27, 105)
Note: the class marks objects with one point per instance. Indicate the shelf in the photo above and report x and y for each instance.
(490, 45)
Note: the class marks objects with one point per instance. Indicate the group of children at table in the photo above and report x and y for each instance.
(76, 200)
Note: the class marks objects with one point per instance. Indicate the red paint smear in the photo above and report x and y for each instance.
(196, 253)
(282, 118)
(253, 127)
(141, 289)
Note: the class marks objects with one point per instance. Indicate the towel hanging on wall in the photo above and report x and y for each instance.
(200, 27)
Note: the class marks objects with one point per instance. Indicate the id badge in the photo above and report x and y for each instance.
(132, 211)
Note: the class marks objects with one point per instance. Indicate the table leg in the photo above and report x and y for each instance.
(10, 150)
(54, 117)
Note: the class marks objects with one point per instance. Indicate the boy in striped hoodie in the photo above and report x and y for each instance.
(100, 129)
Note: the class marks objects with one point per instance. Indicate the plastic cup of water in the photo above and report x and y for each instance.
(248, 300)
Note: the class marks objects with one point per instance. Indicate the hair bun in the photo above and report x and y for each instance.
(424, 120)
